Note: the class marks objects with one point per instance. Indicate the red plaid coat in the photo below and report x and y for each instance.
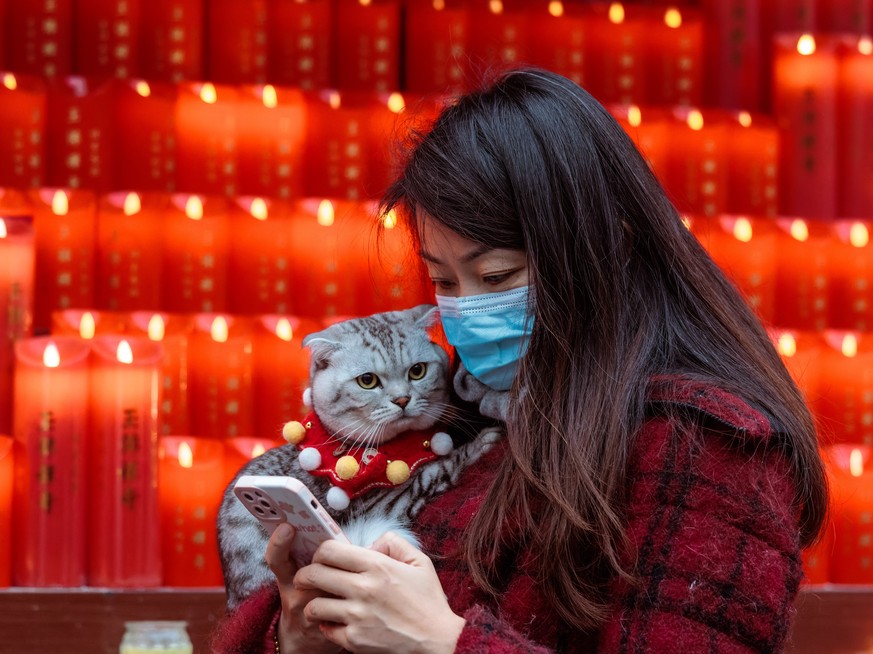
(711, 527)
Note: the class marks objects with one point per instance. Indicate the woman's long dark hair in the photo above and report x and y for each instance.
(623, 292)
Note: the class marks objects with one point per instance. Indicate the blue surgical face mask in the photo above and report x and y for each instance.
(489, 332)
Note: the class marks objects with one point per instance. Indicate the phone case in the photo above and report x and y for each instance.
(274, 500)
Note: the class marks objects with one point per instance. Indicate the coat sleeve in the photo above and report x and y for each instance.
(716, 541)
(250, 628)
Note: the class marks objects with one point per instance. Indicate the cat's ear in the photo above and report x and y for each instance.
(321, 347)
(424, 315)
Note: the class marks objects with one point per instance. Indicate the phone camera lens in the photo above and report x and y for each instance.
(249, 497)
(264, 503)
(259, 510)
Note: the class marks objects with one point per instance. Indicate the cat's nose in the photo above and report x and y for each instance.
(401, 401)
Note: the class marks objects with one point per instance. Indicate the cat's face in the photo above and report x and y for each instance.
(375, 377)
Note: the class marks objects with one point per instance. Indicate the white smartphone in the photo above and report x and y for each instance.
(274, 500)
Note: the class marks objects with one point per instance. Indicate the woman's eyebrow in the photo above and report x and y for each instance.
(470, 256)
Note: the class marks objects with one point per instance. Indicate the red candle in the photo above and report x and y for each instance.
(145, 136)
(301, 43)
(617, 54)
(80, 134)
(805, 104)
(237, 42)
(39, 36)
(557, 36)
(850, 276)
(651, 130)
(51, 423)
(107, 37)
(6, 471)
(345, 154)
(281, 372)
(745, 248)
(207, 139)
(733, 54)
(801, 274)
(817, 559)
(368, 45)
(64, 222)
(271, 128)
(845, 390)
(194, 271)
(752, 165)
(695, 165)
(326, 277)
(259, 261)
(172, 33)
(220, 377)
(129, 251)
(172, 332)
(17, 251)
(675, 66)
(801, 353)
(855, 130)
(124, 546)
(242, 449)
(191, 486)
(22, 140)
(852, 16)
(86, 324)
(501, 35)
(851, 477)
(437, 44)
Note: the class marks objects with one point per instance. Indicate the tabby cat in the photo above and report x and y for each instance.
(371, 379)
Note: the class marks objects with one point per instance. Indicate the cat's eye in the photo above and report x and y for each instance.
(417, 371)
(367, 381)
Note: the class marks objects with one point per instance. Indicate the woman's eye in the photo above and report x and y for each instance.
(442, 284)
(496, 279)
(367, 381)
(417, 371)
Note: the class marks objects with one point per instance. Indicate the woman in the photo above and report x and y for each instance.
(659, 473)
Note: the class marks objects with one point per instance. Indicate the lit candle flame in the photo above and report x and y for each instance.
(806, 44)
(743, 230)
(496, 6)
(334, 100)
(799, 230)
(3, 231)
(219, 329)
(124, 353)
(156, 328)
(856, 463)
(325, 213)
(208, 93)
(745, 119)
(60, 203)
(132, 204)
(365, 3)
(849, 346)
(51, 358)
(9, 81)
(439, 5)
(390, 220)
(556, 8)
(269, 97)
(673, 18)
(186, 456)
(258, 450)
(396, 103)
(259, 209)
(859, 236)
(787, 345)
(142, 87)
(284, 330)
(87, 326)
(616, 13)
(865, 45)
(194, 208)
(695, 120)
(634, 116)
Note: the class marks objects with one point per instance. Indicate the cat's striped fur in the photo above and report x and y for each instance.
(386, 345)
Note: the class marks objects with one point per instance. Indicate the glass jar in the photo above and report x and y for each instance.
(161, 636)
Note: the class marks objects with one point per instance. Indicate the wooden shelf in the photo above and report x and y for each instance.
(830, 619)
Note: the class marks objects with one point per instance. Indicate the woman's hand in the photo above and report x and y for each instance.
(296, 632)
(385, 599)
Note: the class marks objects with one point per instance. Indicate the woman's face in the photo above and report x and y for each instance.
(460, 267)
